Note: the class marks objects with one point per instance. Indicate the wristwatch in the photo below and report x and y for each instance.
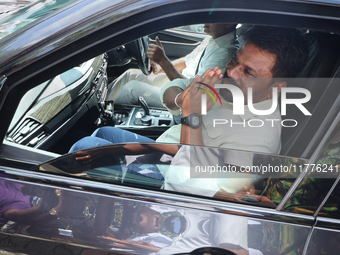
(193, 120)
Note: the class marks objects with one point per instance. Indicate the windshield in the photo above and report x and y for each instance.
(12, 21)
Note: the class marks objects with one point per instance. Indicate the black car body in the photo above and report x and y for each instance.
(105, 211)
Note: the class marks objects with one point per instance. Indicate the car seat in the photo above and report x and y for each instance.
(323, 62)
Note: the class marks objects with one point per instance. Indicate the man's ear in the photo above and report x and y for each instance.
(279, 86)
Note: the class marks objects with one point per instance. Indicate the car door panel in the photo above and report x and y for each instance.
(110, 222)
(324, 238)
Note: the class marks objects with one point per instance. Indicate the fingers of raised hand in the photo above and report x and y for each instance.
(158, 42)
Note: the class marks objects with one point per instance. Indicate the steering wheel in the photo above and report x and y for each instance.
(138, 50)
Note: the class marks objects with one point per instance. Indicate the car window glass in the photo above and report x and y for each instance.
(320, 176)
(331, 208)
(74, 104)
(196, 28)
(329, 179)
(224, 174)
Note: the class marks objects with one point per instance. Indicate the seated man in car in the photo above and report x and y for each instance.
(215, 50)
(268, 56)
(267, 53)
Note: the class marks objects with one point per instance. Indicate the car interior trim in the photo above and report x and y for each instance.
(15, 151)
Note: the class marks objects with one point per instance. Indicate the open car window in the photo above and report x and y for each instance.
(72, 105)
(317, 191)
(236, 176)
(224, 174)
(197, 28)
(243, 162)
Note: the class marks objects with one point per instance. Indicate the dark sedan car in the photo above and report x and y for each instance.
(59, 61)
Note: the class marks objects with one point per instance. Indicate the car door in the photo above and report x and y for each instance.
(83, 32)
(139, 216)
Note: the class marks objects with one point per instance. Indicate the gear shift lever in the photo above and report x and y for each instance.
(146, 119)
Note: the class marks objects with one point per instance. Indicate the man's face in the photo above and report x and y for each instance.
(250, 67)
(216, 30)
(146, 220)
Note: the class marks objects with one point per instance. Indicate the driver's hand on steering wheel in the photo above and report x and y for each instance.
(156, 53)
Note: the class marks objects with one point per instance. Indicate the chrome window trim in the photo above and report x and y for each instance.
(162, 197)
(2, 81)
(322, 219)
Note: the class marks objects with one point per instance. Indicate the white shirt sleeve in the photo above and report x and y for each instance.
(182, 83)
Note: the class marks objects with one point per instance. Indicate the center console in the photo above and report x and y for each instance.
(143, 120)
(134, 118)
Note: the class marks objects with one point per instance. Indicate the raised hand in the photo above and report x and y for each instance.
(190, 99)
(156, 53)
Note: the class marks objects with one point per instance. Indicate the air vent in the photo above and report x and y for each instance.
(34, 141)
(26, 128)
(97, 78)
(101, 72)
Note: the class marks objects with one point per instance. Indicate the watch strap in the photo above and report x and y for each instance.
(185, 120)
(190, 120)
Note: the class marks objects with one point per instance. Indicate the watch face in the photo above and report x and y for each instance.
(196, 120)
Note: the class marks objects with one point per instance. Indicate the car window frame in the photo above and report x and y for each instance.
(16, 84)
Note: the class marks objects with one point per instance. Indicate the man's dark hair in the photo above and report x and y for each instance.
(288, 45)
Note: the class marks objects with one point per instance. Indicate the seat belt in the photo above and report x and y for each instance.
(199, 61)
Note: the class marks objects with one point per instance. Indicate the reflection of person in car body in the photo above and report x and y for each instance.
(267, 53)
(52, 204)
(215, 50)
(144, 222)
(13, 204)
